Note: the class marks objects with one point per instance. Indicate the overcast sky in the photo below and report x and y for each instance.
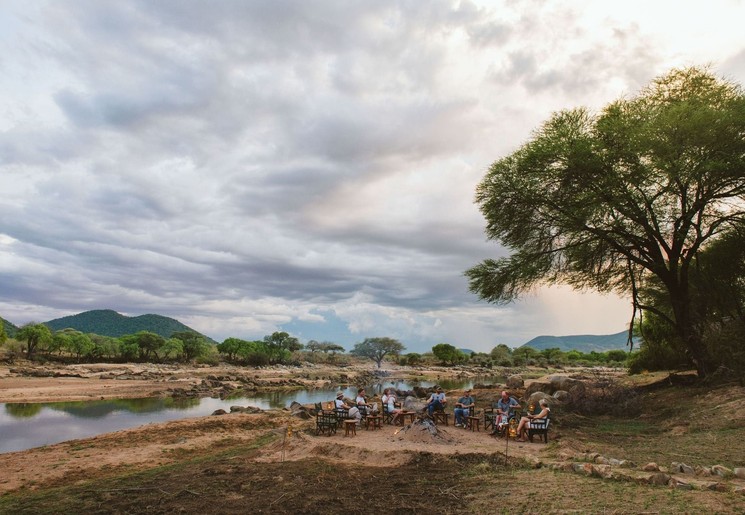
(307, 166)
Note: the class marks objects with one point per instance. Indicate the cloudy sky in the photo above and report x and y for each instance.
(307, 166)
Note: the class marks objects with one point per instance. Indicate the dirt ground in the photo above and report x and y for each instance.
(273, 462)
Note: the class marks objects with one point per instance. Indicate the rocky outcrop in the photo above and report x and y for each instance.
(515, 381)
(554, 383)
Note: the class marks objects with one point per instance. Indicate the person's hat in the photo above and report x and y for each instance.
(339, 394)
(438, 388)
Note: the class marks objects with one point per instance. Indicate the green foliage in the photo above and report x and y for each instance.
(3, 334)
(193, 344)
(448, 354)
(280, 345)
(378, 348)
(502, 355)
(36, 336)
(612, 201)
(173, 349)
(413, 359)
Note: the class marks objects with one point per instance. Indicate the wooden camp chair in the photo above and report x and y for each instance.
(539, 426)
(326, 423)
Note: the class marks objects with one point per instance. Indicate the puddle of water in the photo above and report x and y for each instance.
(27, 425)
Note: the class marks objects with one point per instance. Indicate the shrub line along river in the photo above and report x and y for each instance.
(27, 425)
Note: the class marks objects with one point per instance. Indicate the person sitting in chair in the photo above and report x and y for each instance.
(353, 411)
(392, 409)
(463, 409)
(506, 406)
(436, 401)
(522, 428)
(361, 401)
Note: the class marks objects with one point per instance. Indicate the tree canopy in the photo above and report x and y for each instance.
(378, 348)
(620, 199)
(36, 336)
(448, 353)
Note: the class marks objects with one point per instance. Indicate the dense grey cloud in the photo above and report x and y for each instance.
(249, 166)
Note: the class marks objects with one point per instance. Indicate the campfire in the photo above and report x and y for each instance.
(423, 429)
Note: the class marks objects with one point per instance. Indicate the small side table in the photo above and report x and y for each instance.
(376, 421)
(474, 422)
(350, 427)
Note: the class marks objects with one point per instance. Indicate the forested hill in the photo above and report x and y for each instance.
(583, 342)
(107, 322)
(10, 329)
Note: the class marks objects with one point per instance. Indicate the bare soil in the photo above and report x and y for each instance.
(274, 462)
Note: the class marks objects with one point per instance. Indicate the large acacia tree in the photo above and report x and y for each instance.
(611, 201)
(378, 348)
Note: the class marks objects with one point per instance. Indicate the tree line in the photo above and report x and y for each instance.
(277, 348)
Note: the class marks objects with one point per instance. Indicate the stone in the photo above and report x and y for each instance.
(674, 467)
(602, 460)
(578, 467)
(686, 469)
(717, 487)
(219, 412)
(515, 381)
(681, 485)
(739, 490)
(602, 471)
(659, 478)
(721, 471)
(614, 462)
(703, 471)
(651, 467)
(562, 396)
(739, 472)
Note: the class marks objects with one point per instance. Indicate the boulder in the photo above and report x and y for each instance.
(659, 478)
(739, 472)
(219, 412)
(562, 396)
(602, 471)
(554, 383)
(515, 381)
(535, 397)
(651, 467)
(680, 485)
(721, 471)
(717, 487)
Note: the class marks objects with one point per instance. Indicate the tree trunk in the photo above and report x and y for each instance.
(688, 333)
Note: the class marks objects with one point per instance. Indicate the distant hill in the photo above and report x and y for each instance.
(10, 329)
(584, 342)
(107, 322)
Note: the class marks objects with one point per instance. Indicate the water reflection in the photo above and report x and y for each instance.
(27, 425)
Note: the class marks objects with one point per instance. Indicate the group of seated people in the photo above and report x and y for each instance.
(505, 409)
(360, 405)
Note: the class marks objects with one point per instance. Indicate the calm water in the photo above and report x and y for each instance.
(24, 425)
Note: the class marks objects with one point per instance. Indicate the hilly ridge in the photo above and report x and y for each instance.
(583, 342)
(10, 329)
(107, 322)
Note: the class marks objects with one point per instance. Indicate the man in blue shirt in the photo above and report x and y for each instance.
(463, 409)
(506, 407)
